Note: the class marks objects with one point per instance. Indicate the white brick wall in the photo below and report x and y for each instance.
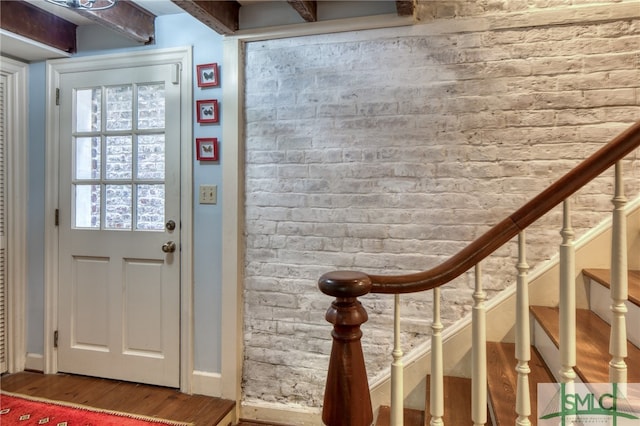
(442, 9)
(389, 153)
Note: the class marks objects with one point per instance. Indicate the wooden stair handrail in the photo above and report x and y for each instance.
(347, 398)
(504, 231)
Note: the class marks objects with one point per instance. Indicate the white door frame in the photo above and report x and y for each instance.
(233, 191)
(16, 214)
(184, 57)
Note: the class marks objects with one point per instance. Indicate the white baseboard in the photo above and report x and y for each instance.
(205, 383)
(282, 414)
(34, 362)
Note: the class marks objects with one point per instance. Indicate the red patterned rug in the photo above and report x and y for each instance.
(21, 410)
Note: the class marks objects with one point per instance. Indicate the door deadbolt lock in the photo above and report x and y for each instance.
(169, 247)
(171, 225)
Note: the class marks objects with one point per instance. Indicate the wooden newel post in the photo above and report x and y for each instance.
(347, 401)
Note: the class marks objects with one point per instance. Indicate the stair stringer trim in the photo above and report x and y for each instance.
(542, 291)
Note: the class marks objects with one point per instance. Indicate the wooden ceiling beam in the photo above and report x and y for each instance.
(127, 19)
(308, 9)
(29, 21)
(405, 7)
(222, 16)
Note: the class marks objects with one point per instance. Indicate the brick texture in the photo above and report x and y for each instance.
(390, 153)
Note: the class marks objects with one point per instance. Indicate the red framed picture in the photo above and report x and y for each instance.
(207, 149)
(207, 75)
(207, 111)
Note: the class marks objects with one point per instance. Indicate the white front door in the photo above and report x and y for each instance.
(119, 225)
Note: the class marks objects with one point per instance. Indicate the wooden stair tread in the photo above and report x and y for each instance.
(457, 405)
(603, 276)
(457, 401)
(592, 346)
(410, 418)
(502, 381)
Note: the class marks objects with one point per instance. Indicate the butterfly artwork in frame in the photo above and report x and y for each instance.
(207, 75)
(207, 111)
(207, 149)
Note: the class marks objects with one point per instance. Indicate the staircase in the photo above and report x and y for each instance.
(592, 353)
(583, 339)
(593, 331)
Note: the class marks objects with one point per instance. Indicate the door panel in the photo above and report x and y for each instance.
(142, 306)
(90, 327)
(119, 291)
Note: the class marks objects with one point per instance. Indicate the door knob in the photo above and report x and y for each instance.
(169, 247)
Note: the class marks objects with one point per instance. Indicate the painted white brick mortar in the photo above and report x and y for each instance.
(390, 154)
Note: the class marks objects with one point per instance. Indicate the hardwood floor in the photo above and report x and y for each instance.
(121, 396)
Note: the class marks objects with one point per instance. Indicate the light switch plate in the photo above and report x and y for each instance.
(208, 194)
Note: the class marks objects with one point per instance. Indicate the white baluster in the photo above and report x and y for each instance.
(523, 337)
(567, 306)
(479, 354)
(436, 391)
(397, 404)
(567, 298)
(619, 284)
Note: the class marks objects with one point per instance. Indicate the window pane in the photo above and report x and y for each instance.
(119, 157)
(119, 107)
(151, 106)
(151, 157)
(118, 207)
(88, 105)
(88, 158)
(87, 208)
(150, 207)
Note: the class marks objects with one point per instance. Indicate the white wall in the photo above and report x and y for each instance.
(389, 150)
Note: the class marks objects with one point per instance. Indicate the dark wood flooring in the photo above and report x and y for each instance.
(121, 396)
